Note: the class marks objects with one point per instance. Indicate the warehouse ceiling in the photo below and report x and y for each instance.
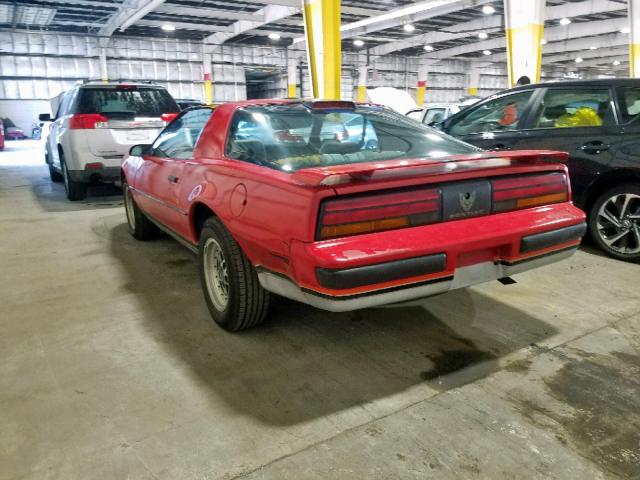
(431, 29)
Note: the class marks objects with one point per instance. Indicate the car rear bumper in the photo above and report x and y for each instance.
(93, 174)
(400, 265)
(463, 277)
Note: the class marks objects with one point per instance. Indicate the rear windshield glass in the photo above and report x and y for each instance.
(294, 136)
(140, 101)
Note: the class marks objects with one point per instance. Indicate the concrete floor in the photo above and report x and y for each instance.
(110, 367)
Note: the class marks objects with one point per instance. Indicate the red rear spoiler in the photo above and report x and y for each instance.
(341, 174)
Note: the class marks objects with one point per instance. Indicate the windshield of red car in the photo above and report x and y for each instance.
(294, 136)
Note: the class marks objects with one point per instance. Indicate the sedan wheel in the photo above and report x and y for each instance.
(615, 222)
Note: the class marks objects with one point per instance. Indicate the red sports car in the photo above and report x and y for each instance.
(342, 206)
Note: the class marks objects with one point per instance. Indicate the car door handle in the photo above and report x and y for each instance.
(594, 148)
(173, 178)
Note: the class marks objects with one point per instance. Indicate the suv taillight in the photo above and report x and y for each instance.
(514, 193)
(87, 121)
(375, 213)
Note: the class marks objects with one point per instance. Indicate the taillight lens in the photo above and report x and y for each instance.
(375, 213)
(87, 121)
(528, 191)
(168, 117)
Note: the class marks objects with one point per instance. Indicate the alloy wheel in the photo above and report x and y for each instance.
(216, 274)
(618, 223)
(129, 210)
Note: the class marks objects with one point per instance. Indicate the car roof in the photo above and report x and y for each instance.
(116, 84)
(606, 82)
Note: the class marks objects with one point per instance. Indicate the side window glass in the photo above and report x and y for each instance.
(576, 107)
(434, 115)
(500, 114)
(64, 104)
(179, 139)
(629, 102)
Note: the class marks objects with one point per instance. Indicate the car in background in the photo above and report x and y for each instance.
(1, 134)
(11, 131)
(95, 126)
(324, 220)
(185, 103)
(597, 122)
(435, 113)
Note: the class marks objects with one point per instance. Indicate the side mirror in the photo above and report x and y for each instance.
(139, 150)
(44, 117)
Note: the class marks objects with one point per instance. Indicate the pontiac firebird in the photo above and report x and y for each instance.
(342, 206)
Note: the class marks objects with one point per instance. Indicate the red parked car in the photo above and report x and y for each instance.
(292, 198)
(1, 135)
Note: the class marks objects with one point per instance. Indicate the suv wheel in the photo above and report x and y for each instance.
(235, 298)
(140, 226)
(74, 190)
(614, 222)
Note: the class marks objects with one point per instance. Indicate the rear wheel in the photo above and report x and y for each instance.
(74, 190)
(235, 298)
(140, 226)
(614, 222)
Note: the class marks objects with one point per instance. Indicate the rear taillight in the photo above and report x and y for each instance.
(527, 191)
(87, 121)
(168, 117)
(375, 213)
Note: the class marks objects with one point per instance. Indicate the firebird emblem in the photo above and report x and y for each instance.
(467, 199)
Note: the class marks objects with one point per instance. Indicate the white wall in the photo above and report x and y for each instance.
(24, 113)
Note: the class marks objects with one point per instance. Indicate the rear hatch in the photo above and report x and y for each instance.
(122, 115)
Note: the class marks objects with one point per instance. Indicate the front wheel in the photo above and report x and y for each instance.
(235, 298)
(614, 222)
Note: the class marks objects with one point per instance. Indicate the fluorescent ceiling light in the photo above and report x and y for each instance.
(593, 47)
(428, 48)
(616, 62)
(358, 43)
(578, 60)
(565, 21)
(486, 52)
(408, 27)
(488, 10)
(274, 36)
(624, 30)
(483, 35)
(167, 27)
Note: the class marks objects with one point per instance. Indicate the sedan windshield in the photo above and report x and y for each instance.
(294, 136)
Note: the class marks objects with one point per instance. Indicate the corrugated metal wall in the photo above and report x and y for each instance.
(41, 65)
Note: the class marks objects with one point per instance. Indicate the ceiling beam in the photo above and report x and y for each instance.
(494, 22)
(129, 12)
(553, 34)
(608, 62)
(589, 55)
(202, 12)
(184, 25)
(264, 16)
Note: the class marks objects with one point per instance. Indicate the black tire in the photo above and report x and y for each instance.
(55, 175)
(603, 230)
(74, 190)
(247, 302)
(140, 227)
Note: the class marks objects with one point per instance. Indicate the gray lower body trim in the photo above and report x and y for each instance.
(463, 277)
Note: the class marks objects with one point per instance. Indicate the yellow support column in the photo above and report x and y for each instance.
(422, 85)
(291, 79)
(208, 84)
(474, 81)
(362, 84)
(322, 32)
(104, 76)
(524, 26)
(634, 38)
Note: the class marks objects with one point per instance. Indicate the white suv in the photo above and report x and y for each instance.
(95, 126)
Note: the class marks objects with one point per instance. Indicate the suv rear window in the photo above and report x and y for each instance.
(139, 101)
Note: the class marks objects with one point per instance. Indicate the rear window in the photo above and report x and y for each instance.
(139, 101)
(294, 136)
